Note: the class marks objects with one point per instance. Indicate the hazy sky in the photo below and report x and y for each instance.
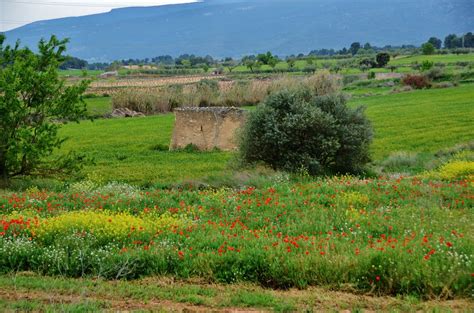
(15, 13)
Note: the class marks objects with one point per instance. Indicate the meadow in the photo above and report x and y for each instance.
(144, 228)
(417, 121)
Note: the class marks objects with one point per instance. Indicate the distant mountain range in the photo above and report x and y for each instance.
(222, 28)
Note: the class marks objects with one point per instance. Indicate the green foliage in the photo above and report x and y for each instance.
(34, 102)
(427, 48)
(436, 42)
(426, 65)
(294, 130)
(382, 59)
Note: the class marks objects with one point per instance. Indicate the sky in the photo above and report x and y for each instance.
(16, 13)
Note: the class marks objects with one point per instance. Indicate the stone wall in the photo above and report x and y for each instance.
(207, 128)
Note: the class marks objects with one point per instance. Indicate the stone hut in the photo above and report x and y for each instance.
(207, 128)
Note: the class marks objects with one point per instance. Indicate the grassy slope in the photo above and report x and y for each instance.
(425, 120)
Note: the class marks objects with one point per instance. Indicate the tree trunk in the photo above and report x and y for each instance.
(3, 170)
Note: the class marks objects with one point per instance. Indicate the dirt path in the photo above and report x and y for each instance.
(111, 303)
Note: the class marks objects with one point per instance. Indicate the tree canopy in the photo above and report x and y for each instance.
(34, 102)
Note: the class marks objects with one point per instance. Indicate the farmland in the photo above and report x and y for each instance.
(194, 230)
(445, 114)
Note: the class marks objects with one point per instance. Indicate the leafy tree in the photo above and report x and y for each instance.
(436, 42)
(355, 47)
(291, 63)
(251, 64)
(230, 64)
(295, 130)
(382, 59)
(34, 103)
(469, 40)
(427, 48)
(73, 63)
(452, 41)
(369, 63)
(267, 58)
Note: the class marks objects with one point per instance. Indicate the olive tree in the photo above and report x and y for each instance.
(34, 103)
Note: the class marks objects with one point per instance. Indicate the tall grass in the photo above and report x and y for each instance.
(207, 93)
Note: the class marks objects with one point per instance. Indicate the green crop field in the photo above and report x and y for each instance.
(437, 58)
(426, 120)
(79, 73)
(126, 149)
(99, 106)
(132, 150)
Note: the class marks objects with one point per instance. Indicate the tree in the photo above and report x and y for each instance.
(469, 40)
(266, 58)
(368, 63)
(427, 48)
(251, 64)
(435, 42)
(355, 47)
(382, 59)
(293, 131)
(230, 64)
(452, 41)
(291, 63)
(34, 103)
(73, 63)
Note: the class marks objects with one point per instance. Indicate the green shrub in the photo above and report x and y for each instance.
(295, 130)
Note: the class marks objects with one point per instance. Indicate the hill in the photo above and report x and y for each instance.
(237, 27)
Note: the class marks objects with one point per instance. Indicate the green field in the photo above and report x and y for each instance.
(420, 121)
(129, 150)
(79, 73)
(436, 58)
(99, 106)
(126, 149)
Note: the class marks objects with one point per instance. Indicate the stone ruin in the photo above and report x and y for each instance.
(207, 128)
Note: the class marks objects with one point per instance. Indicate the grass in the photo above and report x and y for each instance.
(29, 292)
(126, 149)
(421, 121)
(79, 73)
(436, 58)
(131, 150)
(99, 106)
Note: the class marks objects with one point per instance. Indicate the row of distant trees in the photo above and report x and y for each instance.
(451, 42)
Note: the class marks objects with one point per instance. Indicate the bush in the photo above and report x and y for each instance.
(298, 130)
(416, 81)
(426, 65)
(435, 73)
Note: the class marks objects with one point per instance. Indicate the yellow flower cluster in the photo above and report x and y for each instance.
(105, 225)
(454, 170)
(355, 200)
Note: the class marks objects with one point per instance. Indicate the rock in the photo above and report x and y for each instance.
(126, 113)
